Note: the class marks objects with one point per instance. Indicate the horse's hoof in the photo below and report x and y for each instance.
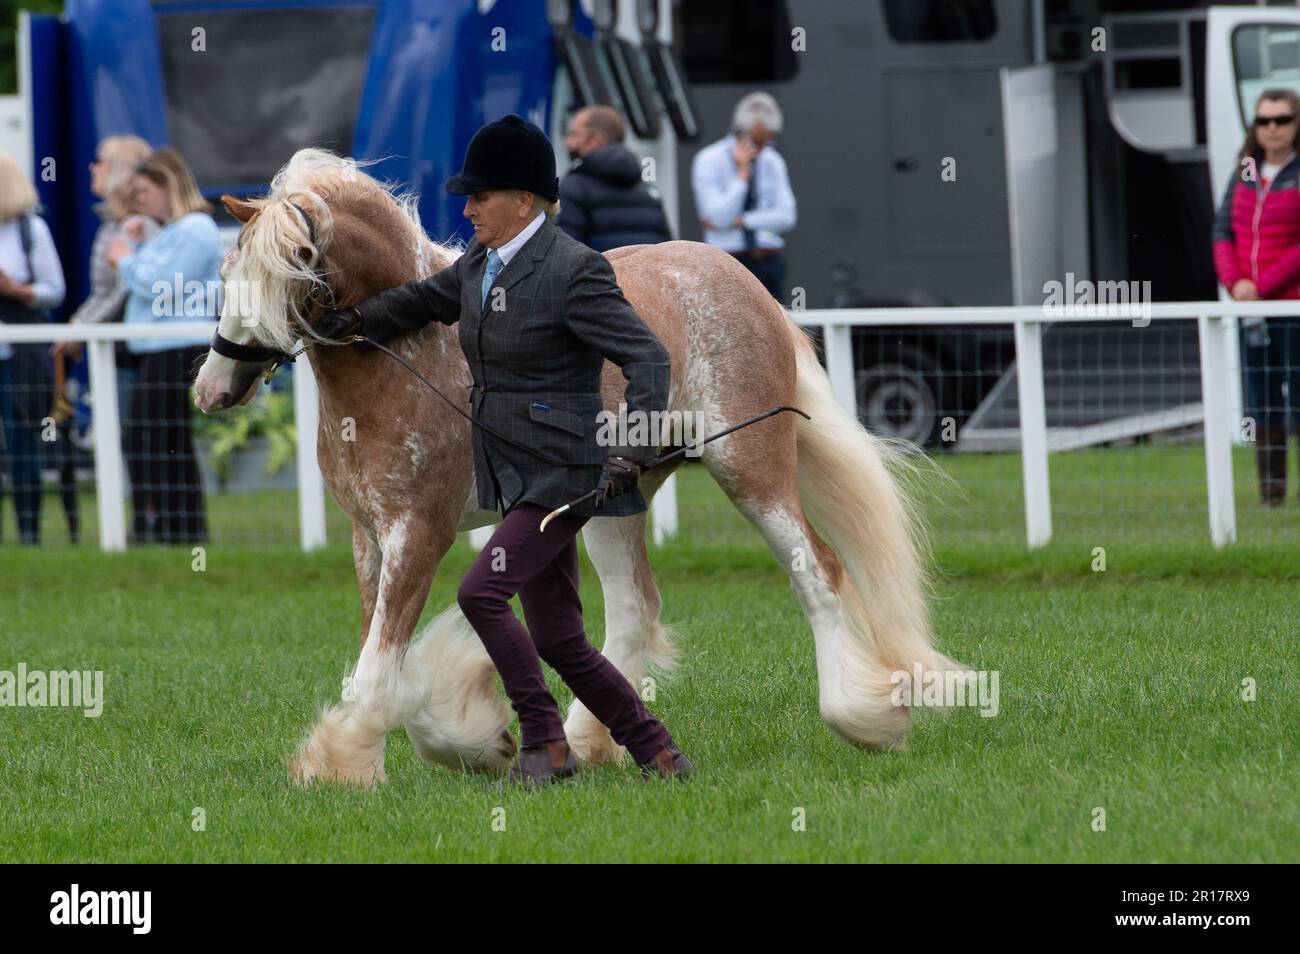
(303, 771)
(510, 746)
(342, 749)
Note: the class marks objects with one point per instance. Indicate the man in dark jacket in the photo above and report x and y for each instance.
(604, 201)
(538, 315)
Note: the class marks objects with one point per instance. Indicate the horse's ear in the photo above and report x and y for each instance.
(241, 209)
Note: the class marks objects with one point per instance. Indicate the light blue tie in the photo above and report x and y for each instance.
(490, 273)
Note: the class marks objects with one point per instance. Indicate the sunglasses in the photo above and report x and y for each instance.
(1262, 121)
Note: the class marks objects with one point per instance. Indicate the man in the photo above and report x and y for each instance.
(538, 314)
(604, 203)
(742, 192)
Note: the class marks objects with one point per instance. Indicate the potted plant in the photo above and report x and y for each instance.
(248, 448)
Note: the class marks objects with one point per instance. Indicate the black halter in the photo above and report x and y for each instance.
(256, 354)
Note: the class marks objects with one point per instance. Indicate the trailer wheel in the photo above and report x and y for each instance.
(896, 398)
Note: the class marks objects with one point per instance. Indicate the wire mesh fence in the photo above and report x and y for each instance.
(1123, 406)
(190, 478)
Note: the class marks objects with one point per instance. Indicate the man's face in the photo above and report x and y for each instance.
(761, 135)
(580, 140)
(498, 214)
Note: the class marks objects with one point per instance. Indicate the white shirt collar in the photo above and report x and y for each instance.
(508, 250)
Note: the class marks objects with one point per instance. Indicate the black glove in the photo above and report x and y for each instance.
(339, 324)
(618, 476)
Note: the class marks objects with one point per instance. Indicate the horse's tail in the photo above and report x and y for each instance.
(847, 490)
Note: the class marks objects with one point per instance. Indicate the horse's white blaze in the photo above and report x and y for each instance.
(215, 378)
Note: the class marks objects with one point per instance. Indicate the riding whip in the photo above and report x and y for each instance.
(673, 455)
(658, 462)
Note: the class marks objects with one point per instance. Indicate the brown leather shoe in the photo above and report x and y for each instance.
(669, 762)
(536, 767)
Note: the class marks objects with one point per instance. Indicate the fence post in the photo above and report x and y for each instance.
(311, 483)
(1214, 342)
(837, 340)
(109, 490)
(1033, 432)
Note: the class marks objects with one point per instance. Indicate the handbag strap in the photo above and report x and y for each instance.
(25, 236)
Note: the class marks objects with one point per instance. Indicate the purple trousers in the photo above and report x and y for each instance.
(543, 569)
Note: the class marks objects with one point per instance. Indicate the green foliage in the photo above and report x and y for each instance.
(9, 37)
(268, 415)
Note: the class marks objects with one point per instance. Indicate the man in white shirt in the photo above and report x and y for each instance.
(742, 192)
(507, 251)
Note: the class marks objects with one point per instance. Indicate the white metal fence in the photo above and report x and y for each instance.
(1219, 370)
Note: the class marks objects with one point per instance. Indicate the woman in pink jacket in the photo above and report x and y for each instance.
(1257, 256)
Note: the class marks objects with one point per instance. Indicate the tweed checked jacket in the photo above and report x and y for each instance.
(535, 351)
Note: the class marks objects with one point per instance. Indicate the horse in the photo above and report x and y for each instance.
(399, 462)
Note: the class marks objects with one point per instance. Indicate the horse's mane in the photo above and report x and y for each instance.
(278, 278)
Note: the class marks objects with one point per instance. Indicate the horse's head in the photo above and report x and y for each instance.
(326, 236)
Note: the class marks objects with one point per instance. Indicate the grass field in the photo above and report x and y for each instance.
(1120, 690)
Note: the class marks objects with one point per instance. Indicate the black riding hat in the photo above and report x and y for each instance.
(508, 154)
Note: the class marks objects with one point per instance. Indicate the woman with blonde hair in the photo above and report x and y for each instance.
(111, 179)
(166, 492)
(31, 283)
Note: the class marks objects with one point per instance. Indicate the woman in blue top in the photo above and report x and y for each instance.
(173, 276)
(31, 282)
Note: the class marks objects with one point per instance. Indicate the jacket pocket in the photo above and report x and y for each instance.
(564, 426)
(545, 413)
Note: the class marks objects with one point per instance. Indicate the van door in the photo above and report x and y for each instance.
(1249, 49)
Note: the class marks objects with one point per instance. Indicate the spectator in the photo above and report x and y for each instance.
(604, 203)
(166, 492)
(111, 179)
(31, 283)
(1257, 256)
(742, 191)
